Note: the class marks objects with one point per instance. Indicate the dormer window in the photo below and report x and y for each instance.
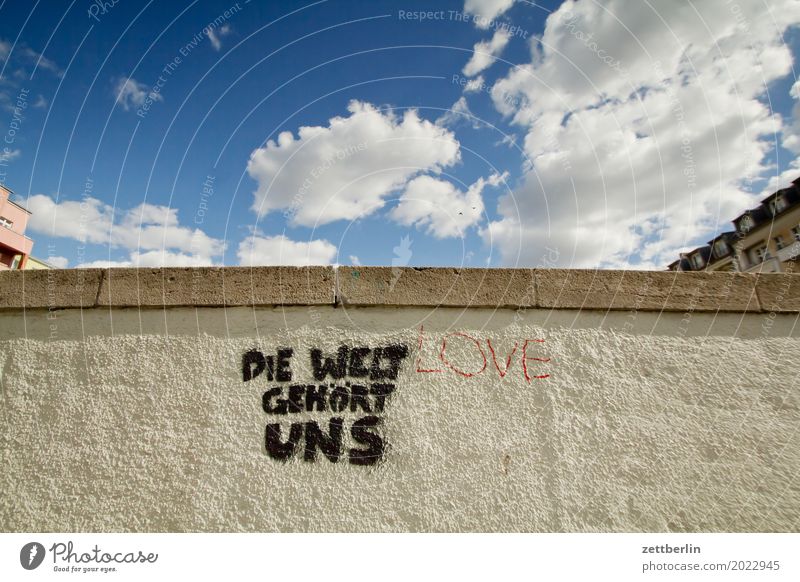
(697, 261)
(721, 248)
(777, 205)
(759, 254)
(746, 223)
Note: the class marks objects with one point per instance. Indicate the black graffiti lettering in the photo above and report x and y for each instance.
(266, 401)
(336, 368)
(394, 354)
(316, 397)
(276, 448)
(282, 371)
(362, 433)
(330, 444)
(312, 398)
(359, 398)
(357, 367)
(378, 367)
(339, 398)
(296, 393)
(253, 364)
(381, 393)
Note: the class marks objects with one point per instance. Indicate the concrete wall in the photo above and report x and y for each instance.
(504, 400)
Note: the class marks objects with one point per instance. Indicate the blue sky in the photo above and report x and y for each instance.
(591, 134)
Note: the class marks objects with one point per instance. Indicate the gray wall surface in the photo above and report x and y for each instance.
(398, 400)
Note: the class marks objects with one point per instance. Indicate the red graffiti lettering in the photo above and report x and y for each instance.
(450, 365)
(508, 359)
(471, 354)
(525, 359)
(420, 342)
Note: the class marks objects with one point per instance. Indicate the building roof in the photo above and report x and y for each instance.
(10, 201)
(761, 215)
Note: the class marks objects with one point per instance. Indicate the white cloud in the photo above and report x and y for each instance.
(346, 170)
(131, 94)
(40, 103)
(642, 128)
(159, 258)
(440, 208)
(459, 112)
(24, 55)
(152, 234)
(57, 262)
(102, 264)
(40, 61)
(163, 258)
(791, 133)
(485, 53)
(486, 10)
(475, 85)
(782, 180)
(257, 249)
(355, 261)
(7, 155)
(214, 35)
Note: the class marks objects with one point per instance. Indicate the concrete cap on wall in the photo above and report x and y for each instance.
(217, 286)
(402, 287)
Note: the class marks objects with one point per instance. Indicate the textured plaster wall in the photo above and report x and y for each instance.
(139, 420)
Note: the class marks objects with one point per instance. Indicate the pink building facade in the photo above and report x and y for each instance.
(15, 247)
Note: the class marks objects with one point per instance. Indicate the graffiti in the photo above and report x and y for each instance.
(262, 363)
(475, 361)
(367, 394)
(350, 389)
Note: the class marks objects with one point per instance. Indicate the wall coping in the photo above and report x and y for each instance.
(400, 287)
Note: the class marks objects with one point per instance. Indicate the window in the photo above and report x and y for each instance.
(759, 254)
(721, 248)
(777, 204)
(697, 261)
(796, 232)
(6, 222)
(779, 242)
(746, 223)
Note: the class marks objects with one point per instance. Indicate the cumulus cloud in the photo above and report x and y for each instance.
(8, 155)
(258, 249)
(150, 233)
(25, 56)
(215, 35)
(485, 53)
(345, 170)
(151, 259)
(131, 94)
(475, 85)
(104, 264)
(642, 128)
(164, 258)
(459, 112)
(440, 208)
(58, 262)
(791, 133)
(40, 61)
(486, 10)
